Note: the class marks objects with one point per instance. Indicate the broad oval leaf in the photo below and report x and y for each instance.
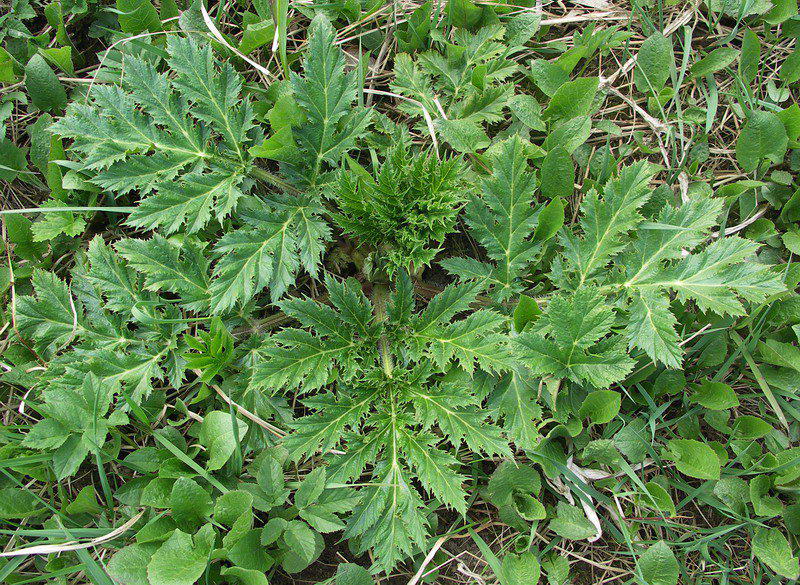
(695, 459)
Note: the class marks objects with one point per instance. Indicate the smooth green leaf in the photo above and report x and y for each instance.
(137, 16)
(653, 63)
(191, 505)
(300, 538)
(716, 60)
(557, 175)
(463, 135)
(771, 548)
(245, 576)
(571, 523)
(659, 565)
(715, 396)
(572, 99)
(601, 406)
(750, 427)
(790, 68)
(352, 574)
(43, 86)
(521, 569)
(751, 56)
(129, 565)
(526, 311)
(179, 561)
(17, 503)
(218, 435)
(763, 137)
(694, 458)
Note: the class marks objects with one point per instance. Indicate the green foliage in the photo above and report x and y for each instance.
(694, 458)
(715, 396)
(502, 220)
(267, 251)
(325, 94)
(279, 237)
(772, 548)
(468, 80)
(519, 569)
(373, 280)
(515, 491)
(406, 209)
(653, 263)
(156, 133)
(170, 266)
(176, 548)
(570, 523)
(654, 60)
(184, 142)
(567, 342)
(399, 375)
(659, 565)
(43, 85)
(762, 137)
(574, 338)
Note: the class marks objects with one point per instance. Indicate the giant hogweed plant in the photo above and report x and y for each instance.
(397, 398)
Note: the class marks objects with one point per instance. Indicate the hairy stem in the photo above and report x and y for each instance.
(264, 175)
(380, 295)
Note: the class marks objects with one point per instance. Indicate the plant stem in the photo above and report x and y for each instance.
(271, 179)
(77, 209)
(380, 294)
